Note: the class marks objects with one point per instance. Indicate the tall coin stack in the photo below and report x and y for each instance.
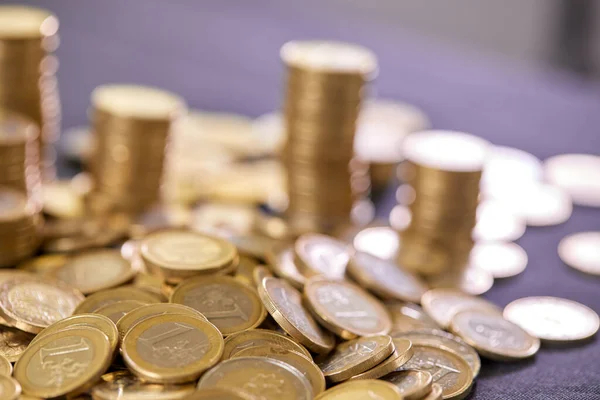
(28, 83)
(444, 169)
(325, 86)
(131, 125)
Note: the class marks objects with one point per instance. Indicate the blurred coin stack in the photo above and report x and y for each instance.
(28, 83)
(325, 87)
(131, 125)
(444, 169)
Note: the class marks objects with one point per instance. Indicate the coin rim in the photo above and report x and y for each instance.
(401, 355)
(418, 392)
(232, 338)
(89, 305)
(346, 386)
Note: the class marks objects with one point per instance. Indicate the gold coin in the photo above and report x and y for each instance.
(448, 370)
(66, 362)
(360, 390)
(413, 384)
(317, 254)
(258, 376)
(33, 304)
(123, 385)
(356, 356)
(218, 393)
(245, 270)
(5, 367)
(407, 317)
(149, 283)
(45, 264)
(253, 245)
(284, 303)
(402, 353)
(139, 314)
(13, 342)
(172, 348)
(115, 311)
(100, 322)
(281, 260)
(95, 270)
(223, 300)
(104, 297)
(260, 337)
(10, 389)
(309, 369)
(259, 273)
(443, 304)
(435, 394)
(346, 309)
(580, 251)
(179, 254)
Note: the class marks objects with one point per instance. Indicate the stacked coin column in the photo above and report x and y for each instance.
(131, 126)
(325, 86)
(444, 169)
(28, 83)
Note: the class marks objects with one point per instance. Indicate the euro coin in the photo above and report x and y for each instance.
(259, 273)
(116, 311)
(321, 255)
(402, 353)
(219, 393)
(443, 304)
(413, 384)
(581, 251)
(436, 393)
(501, 259)
(363, 389)
(408, 317)
(6, 367)
(10, 389)
(472, 280)
(123, 385)
(281, 260)
(13, 342)
(45, 264)
(109, 296)
(260, 338)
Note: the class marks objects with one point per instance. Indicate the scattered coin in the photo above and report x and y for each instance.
(45, 264)
(5, 367)
(282, 262)
(10, 389)
(115, 311)
(508, 169)
(581, 251)
(443, 304)
(219, 393)
(253, 245)
(540, 204)
(380, 241)
(495, 222)
(123, 385)
(226, 302)
(104, 297)
(172, 348)
(413, 384)
(13, 342)
(402, 353)
(553, 319)
(408, 317)
(474, 281)
(321, 255)
(578, 175)
(356, 356)
(500, 259)
(259, 376)
(493, 336)
(362, 389)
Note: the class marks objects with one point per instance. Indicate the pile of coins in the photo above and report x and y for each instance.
(325, 86)
(28, 83)
(444, 169)
(131, 126)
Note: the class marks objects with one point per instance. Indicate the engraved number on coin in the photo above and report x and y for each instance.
(60, 365)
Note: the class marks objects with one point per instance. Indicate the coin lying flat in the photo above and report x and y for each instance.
(226, 302)
(443, 304)
(33, 304)
(283, 264)
(309, 369)
(10, 389)
(363, 389)
(385, 278)
(553, 319)
(5, 367)
(581, 251)
(493, 336)
(578, 175)
(447, 370)
(402, 353)
(408, 317)
(317, 254)
(115, 311)
(501, 259)
(260, 337)
(284, 303)
(123, 385)
(258, 376)
(13, 342)
(105, 297)
(413, 384)
(346, 309)
(356, 356)
(95, 270)
(66, 362)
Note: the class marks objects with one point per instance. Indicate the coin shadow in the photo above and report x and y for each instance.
(490, 368)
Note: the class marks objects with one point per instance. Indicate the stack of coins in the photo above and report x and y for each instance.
(444, 169)
(325, 86)
(28, 83)
(131, 126)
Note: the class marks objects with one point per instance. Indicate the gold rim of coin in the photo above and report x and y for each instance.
(6, 367)
(226, 302)
(317, 255)
(281, 260)
(362, 389)
(95, 270)
(356, 356)
(44, 264)
(402, 354)
(413, 384)
(123, 385)
(10, 388)
(99, 299)
(116, 311)
(443, 304)
(185, 360)
(261, 337)
(284, 303)
(13, 342)
(338, 305)
(93, 350)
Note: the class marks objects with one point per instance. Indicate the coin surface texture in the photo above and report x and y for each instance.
(581, 251)
(553, 319)
(10, 389)
(13, 342)
(363, 389)
(115, 311)
(123, 385)
(321, 255)
(104, 297)
(501, 259)
(443, 304)
(402, 353)
(413, 384)
(259, 338)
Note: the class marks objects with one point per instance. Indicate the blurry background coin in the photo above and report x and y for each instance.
(10, 388)
(413, 384)
(261, 338)
(115, 311)
(581, 251)
(578, 175)
(358, 390)
(501, 259)
(443, 304)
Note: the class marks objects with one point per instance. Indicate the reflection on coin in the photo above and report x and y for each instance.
(380, 241)
(402, 353)
(309, 369)
(413, 384)
(321, 255)
(553, 319)
(578, 175)
(115, 311)
(495, 221)
(474, 281)
(356, 356)
(122, 385)
(443, 304)
(5, 367)
(363, 389)
(13, 342)
(95, 270)
(408, 317)
(258, 376)
(447, 369)
(493, 336)
(581, 251)
(227, 303)
(500, 259)
(45, 264)
(260, 338)
(284, 303)
(283, 264)
(104, 297)
(540, 204)
(385, 278)
(172, 348)
(10, 389)
(64, 362)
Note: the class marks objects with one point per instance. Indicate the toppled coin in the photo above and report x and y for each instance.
(10, 389)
